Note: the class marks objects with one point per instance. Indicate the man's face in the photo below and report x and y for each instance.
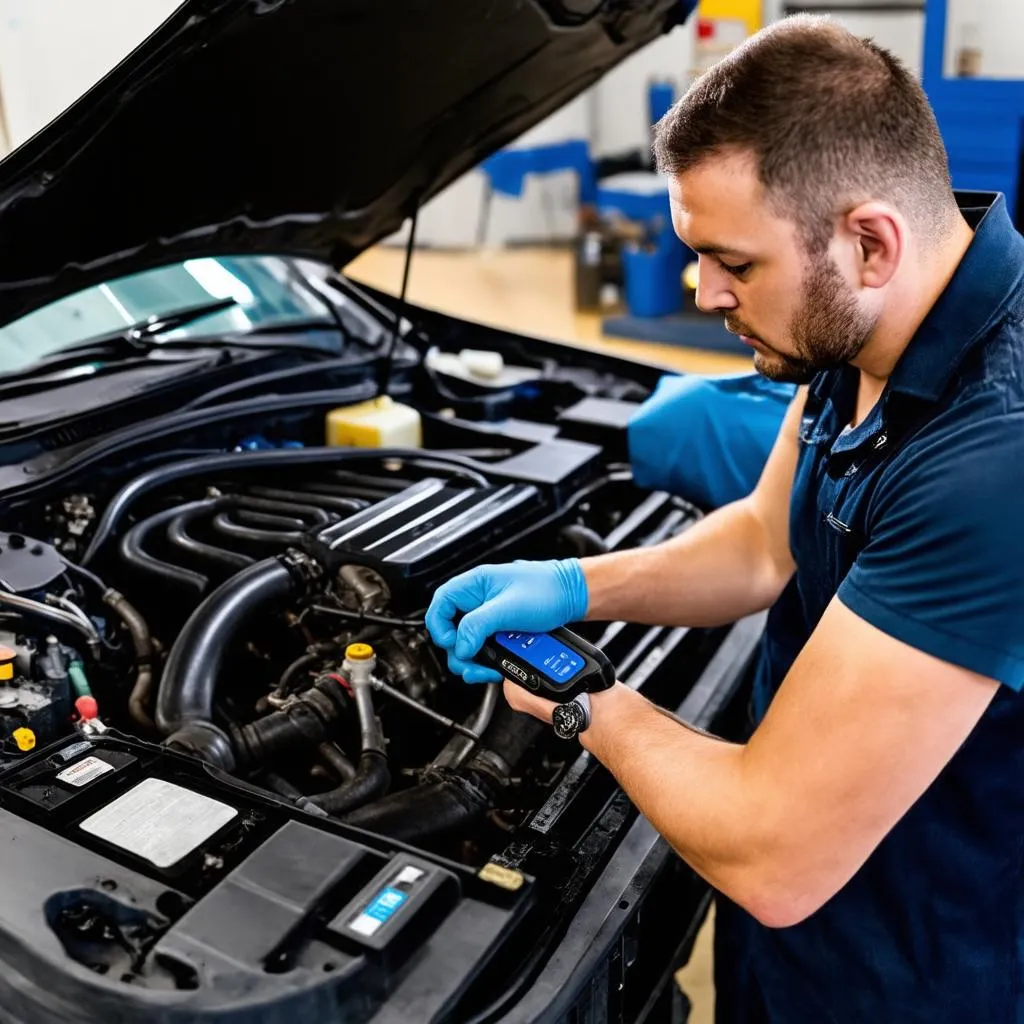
(798, 312)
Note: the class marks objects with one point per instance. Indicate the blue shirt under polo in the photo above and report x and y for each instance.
(915, 519)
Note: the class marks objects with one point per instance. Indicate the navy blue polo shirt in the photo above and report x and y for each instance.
(915, 518)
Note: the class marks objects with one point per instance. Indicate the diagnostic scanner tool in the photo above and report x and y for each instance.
(559, 665)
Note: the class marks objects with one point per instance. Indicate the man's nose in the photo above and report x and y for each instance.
(714, 288)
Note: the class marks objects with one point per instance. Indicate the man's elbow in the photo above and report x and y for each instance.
(777, 899)
(775, 911)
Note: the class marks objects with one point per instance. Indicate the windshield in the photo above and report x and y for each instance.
(268, 290)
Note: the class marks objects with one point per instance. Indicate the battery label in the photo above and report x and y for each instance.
(381, 908)
(84, 771)
(159, 821)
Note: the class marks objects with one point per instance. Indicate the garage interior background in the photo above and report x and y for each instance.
(488, 254)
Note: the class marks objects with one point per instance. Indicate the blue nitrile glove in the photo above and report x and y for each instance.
(531, 596)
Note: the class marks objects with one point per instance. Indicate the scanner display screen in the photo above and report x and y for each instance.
(551, 658)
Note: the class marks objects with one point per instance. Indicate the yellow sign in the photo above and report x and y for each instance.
(747, 11)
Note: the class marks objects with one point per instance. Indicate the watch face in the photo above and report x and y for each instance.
(568, 719)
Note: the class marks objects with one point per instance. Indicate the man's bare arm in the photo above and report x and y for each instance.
(734, 562)
(859, 729)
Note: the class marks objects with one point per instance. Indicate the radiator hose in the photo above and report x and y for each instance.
(448, 799)
(184, 711)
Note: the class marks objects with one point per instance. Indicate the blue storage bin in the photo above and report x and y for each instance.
(653, 279)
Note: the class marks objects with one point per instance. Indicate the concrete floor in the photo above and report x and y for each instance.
(531, 291)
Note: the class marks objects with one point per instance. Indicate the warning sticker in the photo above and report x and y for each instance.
(386, 902)
(84, 771)
(159, 821)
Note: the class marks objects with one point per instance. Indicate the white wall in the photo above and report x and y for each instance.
(51, 51)
(901, 32)
(996, 27)
(621, 120)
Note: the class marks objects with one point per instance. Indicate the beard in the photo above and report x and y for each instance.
(828, 329)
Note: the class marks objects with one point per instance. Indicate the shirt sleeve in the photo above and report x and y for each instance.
(943, 566)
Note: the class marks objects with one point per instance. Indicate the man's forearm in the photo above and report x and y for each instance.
(705, 805)
(715, 573)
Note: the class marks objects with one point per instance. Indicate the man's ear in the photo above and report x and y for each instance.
(879, 234)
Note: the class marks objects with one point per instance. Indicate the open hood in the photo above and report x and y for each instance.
(304, 127)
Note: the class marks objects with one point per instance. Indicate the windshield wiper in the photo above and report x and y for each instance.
(138, 338)
(132, 346)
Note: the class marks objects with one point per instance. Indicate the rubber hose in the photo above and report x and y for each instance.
(278, 458)
(370, 783)
(585, 540)
(427, 810)
(141, 695)
(332, 755)
(454, 798)
(185, 698)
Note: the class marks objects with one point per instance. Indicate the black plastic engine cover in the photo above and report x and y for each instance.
(417, 537)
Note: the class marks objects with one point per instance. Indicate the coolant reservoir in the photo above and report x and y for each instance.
(379, 423)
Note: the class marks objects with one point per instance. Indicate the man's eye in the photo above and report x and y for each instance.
(738, 270)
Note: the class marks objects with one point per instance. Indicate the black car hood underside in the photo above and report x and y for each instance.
(305, 127)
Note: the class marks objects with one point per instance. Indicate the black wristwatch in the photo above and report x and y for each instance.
(572, 717)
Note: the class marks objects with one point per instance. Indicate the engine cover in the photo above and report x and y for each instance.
(415, 538)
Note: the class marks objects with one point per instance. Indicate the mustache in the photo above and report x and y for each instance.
(736, 326)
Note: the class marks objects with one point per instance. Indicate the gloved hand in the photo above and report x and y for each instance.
(531, 596)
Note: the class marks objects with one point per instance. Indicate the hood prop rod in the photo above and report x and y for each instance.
(385, 376)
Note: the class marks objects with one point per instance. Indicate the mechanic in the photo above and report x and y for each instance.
(868, 835)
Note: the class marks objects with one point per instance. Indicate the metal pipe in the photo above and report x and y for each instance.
(458, 748)
(371, 735)
(402, 698)
(44, 611)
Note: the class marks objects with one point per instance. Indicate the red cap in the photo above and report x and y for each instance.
(87, 708)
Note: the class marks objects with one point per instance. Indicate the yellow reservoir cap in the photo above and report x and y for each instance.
(378, 423)
(7, 657)
(25, 738)
(358, 652)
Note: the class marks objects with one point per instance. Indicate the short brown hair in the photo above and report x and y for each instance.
(830, 119)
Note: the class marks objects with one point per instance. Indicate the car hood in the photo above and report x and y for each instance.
(305, 127)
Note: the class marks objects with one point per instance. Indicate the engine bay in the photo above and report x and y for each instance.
(254, 608)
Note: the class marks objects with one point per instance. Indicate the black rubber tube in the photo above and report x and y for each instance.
(332, 755)
(178, 535)
(133, 543)
(585, 540)
(311, 497)
(223, 523)
(427, 810)
(370, 783)
(141, 695)
(196, 660)
(133, 551)
(452, 799)
(278, 458)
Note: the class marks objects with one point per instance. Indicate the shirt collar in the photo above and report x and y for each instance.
(987, 278)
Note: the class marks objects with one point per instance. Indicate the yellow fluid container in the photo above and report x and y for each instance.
(379, 423)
